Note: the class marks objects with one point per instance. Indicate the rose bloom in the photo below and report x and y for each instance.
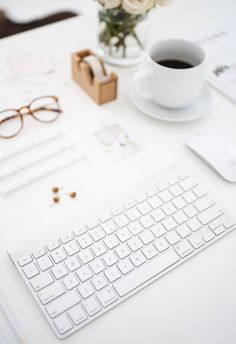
(110, 3)
(137, 6)
(163, 2)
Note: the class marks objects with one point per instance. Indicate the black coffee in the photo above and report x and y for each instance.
(176, 64)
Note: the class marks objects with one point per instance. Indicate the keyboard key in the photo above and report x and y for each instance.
(183, 174)
(71, 248)
(137, 258)
(91, 306)
(228, 224)
(121, 220)
(85, 256)
(217, 222)
(22, 261)
(105, 216)
(111, 241)
(144, 208)
(189, 197)
(63, 324)
(77, 315)
(67, 237)
(58, 255)
(112, 274)
(168, 209)
(51, 292)
(140, 198)
(176, 190)
(161, 244)
(125, 266)
(146, 221)
(109, 227)
(179, 203)
(72, 264)
(86, 290)
(199, 192)
(59, 271)
(117, 210)
(107, 297)
(155, 202)
(145, 273)
(210, 214)
(188, 183)
(122, 251)
(85, 240)
(84, 273)
(204, 203)
(180, 217)
(30, 270)
(149, 251)
(183, 249)
(183, 231)
(97, 234)
(98, 249)
(62, 304)
(158, 215)
(123, 234)
(196, 240)
(99, 282)
(135, 228)
(129, 204)
(190, 211)
(92, 223)
(194, 224)
(165, 196)
(162, 186)
(79, 231)
(135, 244)
(70, 281)
(133, 214)
(208, 237)
(97, 266)
(147, 237)
(173, 180)
(44, 263)
(110, 259)
(39, 252)
(158, 230)
(169, 224)
(41, 281)
(152, 191)
(172, 237)
(219, 230)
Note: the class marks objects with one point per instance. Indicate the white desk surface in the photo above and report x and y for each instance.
(194, 304)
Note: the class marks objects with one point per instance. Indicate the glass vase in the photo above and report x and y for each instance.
(122, 36)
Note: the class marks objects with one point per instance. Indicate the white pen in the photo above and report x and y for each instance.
(11, 320)
(33, 143)
(51, 151)
(56, 166)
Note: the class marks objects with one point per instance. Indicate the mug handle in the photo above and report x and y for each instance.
(139, 84)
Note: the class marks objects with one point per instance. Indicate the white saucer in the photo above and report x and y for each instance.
(189, 113)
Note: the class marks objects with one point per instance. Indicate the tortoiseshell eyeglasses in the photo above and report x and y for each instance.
(44, 109)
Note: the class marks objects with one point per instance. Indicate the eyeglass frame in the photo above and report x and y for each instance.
(30, 113)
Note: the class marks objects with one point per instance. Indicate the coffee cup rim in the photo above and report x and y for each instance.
(188, 41)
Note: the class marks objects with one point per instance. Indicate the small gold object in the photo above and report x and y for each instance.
(55, 189)
(56, 199)
(73, 194)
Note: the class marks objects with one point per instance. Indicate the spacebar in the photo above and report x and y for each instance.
(145, 273)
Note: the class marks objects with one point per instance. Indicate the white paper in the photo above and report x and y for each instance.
(220, 47)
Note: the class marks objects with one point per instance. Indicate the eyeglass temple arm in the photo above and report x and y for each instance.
(8, 118)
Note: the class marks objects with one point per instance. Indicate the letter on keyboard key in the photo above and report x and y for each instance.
(91, 306)
(25, 260)
(51, 292)
(145, 273)
(62, 304)
(41, 281)
(77, 315)
(63, 324)
(107, 297)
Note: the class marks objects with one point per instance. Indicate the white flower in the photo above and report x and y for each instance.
(137, 6)
(110, 3)
(163, 2)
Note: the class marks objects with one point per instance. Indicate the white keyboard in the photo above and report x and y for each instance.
(78, 273)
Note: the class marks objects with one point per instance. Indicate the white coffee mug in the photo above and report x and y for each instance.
(172, 87)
